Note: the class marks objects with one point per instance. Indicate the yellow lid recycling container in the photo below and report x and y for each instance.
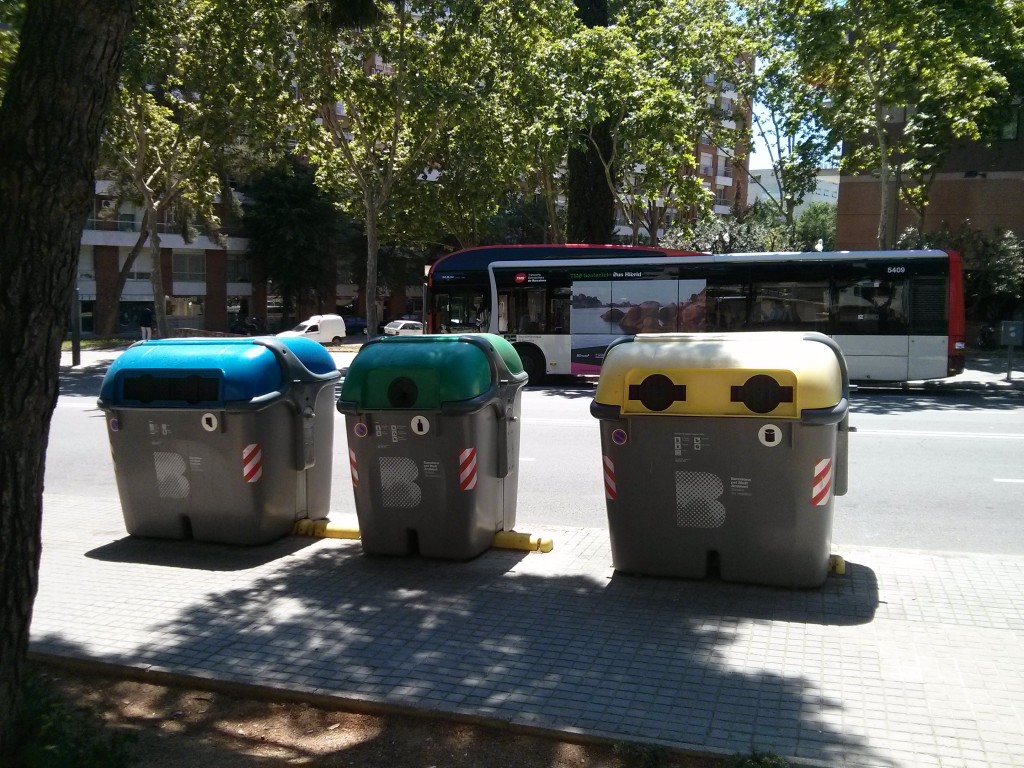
(724, 452)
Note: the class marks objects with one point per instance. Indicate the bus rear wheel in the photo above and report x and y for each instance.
(533, 364)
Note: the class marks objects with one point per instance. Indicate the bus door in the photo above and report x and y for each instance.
(527, 310)
(869, 323)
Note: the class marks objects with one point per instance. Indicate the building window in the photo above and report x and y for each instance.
(1010, 130)
(189, 266)
(238, 269)
(86, 264)
(706, 166)
(126, 221)
(141, 267)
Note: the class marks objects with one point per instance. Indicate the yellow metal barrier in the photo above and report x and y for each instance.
(325, 529)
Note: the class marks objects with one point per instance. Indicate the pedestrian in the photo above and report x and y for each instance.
(146, 322)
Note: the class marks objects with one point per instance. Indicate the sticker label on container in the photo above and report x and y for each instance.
(420, 425)
(467, 469)
(611, 490)
(209, 421)
(821, 489)
(740, 486)
(394, 433)
(252, 462)
(619, 436)
(687, 442)
(354, 466)
(360, 430)
(770, 435)
(115, 425)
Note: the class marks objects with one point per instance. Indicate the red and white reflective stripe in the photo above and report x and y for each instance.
(467, 469)
(354, 466)
(611, 492)
(822, 490)
(252, 462)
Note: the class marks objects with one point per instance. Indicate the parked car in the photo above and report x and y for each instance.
(326, 329)
(356, 326)
(403, 328)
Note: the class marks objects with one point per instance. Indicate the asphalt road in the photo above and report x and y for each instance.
(940, 472)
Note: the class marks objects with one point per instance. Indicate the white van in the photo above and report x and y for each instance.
(326, 329)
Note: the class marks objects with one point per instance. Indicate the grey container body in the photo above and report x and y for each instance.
(438, 483)
(241, 476)
(754, 496)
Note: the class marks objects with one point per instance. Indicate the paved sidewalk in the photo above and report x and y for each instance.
(912, 659)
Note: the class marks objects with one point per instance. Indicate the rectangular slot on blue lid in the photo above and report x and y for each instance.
(191, 389)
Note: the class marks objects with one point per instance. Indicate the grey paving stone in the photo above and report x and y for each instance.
(911, 659)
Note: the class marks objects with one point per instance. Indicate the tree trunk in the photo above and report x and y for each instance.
(883, 179)
(372, 252)
(590, 213)
(109, 328)
(156, 275)
(591, 207)
(50, 124)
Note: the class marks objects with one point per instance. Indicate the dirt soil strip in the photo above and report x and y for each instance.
(192, 721)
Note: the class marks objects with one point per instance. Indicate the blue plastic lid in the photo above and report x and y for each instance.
(181, 373)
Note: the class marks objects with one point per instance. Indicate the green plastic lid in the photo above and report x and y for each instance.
(426, 372)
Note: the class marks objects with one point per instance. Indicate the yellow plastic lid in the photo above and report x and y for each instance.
(728, 374)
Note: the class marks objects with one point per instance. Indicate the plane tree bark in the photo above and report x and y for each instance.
(51, 118)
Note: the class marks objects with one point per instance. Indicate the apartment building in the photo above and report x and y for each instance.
(722, 175)
(980, 184)
(764, 186)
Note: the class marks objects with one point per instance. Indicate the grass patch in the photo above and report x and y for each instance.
(641, 755)
(97, 344)
(757, 760)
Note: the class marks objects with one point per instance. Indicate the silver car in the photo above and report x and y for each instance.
(403, 328)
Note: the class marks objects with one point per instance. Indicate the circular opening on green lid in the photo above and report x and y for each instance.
(402, 392)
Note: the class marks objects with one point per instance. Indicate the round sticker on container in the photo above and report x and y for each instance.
(115, 425)
(769, 435)
(209, 421)
(360, 430)
(619, 436)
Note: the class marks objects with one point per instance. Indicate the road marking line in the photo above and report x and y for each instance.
(942, 435)
(1006, 480)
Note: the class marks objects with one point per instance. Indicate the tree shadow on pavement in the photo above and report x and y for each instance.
(642, 659)
(878, 402)
(83, 380)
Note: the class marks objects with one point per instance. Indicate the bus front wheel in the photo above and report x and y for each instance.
(533, 364)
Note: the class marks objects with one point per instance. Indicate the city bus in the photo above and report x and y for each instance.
(897, 315)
